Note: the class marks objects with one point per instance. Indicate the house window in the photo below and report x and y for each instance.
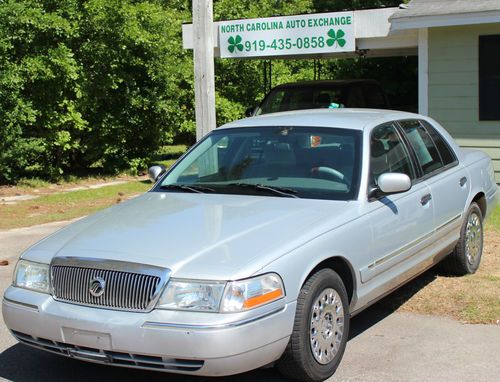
(489, 78)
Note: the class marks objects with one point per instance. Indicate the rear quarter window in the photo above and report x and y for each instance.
(425, 150)
(447, 155)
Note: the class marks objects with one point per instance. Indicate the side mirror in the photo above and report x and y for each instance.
(393, 183)
(250, 111)
(154, 172)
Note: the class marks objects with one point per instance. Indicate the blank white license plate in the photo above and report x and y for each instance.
(87, 338)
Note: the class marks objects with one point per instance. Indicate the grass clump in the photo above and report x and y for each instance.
(493, 221)
(171, 152)
(28, 183)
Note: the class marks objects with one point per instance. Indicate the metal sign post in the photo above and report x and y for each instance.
(204, 72)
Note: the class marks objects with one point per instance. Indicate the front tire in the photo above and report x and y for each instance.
(321, 329)
(466, 256)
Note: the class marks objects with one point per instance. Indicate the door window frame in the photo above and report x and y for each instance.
(406, 146)
(421, 175)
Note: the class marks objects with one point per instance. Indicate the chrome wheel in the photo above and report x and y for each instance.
(473, 238)
(326, 326)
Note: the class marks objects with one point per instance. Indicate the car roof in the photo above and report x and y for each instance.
(340, 118)
(325, 83)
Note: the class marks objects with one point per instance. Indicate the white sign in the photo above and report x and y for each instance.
(291, 35)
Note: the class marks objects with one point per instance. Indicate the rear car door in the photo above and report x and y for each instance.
(441, 171)
(401, 224)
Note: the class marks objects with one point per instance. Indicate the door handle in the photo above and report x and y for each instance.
(463, 180)
(425, 199)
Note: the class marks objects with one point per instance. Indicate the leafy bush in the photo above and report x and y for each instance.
(89, 84)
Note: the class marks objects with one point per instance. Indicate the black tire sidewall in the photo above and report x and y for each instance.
(471, 268)
(322, 280)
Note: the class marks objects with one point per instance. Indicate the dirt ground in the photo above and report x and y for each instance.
(472, 299)
(41, 188)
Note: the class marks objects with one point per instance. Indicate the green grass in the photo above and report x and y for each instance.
(494, 219)
(167, 163)
(27, 183)
(171, 152)
(67, 205)
(167, 155)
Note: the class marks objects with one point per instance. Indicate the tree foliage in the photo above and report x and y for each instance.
(84, 84)
(101, 84)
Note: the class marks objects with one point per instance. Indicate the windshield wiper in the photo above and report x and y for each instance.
(185, 187)
(282, 191)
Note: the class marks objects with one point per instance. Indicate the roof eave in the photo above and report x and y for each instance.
(418, 22)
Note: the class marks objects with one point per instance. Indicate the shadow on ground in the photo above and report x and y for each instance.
(21, 363)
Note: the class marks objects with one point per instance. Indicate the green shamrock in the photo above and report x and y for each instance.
(336, 38)
(235, 43)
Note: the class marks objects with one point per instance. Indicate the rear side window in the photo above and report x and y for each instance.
(302, 98)
(447, 155)
(426, 151)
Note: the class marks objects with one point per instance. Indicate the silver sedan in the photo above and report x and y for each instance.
(257, 246)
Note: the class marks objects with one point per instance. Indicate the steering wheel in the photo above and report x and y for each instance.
(329, 171)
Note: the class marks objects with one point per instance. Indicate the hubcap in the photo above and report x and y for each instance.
(327, 325)
(473, 238)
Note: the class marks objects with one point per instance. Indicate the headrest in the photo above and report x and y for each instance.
(377, 148)
(279, 153)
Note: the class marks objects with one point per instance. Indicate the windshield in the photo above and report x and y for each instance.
(304, 162)
(301, 98)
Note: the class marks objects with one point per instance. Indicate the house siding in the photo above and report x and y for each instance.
(454, 87)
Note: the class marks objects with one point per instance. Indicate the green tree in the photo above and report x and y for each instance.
(38, 89)
(137, 80)
(98, 83)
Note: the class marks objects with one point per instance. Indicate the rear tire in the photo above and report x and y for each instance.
(466, 256)
(320, 330)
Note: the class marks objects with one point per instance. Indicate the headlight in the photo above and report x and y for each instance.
(251, 293)
(31, 275)
(192, 295)
(219, 296)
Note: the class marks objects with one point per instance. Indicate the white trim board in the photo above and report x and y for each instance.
(418, 22)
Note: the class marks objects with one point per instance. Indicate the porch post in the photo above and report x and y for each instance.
(423, 71)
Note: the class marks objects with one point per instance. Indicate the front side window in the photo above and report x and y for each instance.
(308, 162)
(272, 103)
(388, 153)
(427, 154)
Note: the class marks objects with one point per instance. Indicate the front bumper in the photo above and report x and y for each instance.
(195, 343)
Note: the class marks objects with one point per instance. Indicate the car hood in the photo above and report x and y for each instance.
(206, 236)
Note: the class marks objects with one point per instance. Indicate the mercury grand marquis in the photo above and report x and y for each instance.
(257, 246)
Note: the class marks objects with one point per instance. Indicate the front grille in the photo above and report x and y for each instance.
(139, 361)
(125, 286)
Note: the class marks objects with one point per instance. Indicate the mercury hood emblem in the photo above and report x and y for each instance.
(97, 286)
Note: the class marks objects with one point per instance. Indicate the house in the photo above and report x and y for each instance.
(459, 67)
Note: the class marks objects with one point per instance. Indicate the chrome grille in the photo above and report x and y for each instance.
(127, 286)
